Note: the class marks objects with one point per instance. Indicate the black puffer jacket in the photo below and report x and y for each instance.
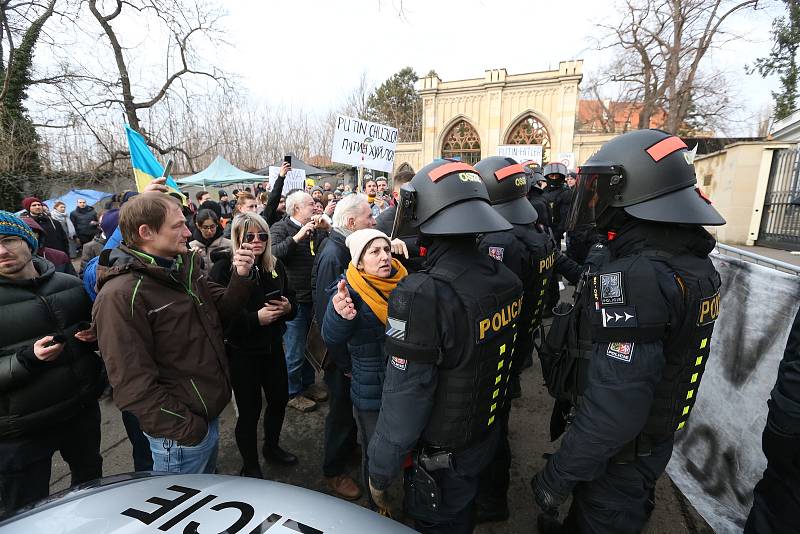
(36, 394)
(82, 220)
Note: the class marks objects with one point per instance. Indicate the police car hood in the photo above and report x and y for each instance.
(196, 503)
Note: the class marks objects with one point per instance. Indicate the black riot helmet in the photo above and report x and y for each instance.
(446, 198)
(647, 173)
(555, 173)
(507, 184)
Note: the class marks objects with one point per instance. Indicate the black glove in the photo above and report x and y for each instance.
(545, 496)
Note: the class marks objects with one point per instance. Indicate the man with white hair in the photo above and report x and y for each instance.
(352, 213)
(295, 241)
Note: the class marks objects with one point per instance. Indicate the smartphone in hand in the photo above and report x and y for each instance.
(287, 159)
(273, 295)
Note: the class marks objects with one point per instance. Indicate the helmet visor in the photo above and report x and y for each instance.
(593, 194)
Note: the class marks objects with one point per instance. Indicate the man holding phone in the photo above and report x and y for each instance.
(159, 326)
(50, 376)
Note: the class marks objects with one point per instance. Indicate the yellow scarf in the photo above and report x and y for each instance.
(375, 290)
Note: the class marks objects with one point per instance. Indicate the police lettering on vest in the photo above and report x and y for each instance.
(493, 323)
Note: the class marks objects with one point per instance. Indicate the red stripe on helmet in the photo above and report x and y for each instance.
(665, 147)
(505, 172)
(449, 168)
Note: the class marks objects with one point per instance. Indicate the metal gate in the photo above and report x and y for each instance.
(780, 222)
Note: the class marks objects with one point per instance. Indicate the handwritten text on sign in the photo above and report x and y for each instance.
(364, 144)
(295, 179)
(521, 153)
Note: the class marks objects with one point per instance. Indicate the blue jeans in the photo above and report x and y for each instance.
(170, 457)
(301, 373)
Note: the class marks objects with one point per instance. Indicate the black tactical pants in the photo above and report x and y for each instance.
(617, 502)
(494, 480)
(776, 497)
(457, 486)
(25, 463)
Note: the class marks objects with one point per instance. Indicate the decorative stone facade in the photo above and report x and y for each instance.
(470, 118)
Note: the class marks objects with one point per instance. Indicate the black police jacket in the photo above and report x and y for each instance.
(652, 310)
(448, 363)
(784, 403)
(35, 394)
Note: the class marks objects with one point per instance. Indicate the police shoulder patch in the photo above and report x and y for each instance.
(612, 289)
(496, 253)
(399, 363)
(622, 351)
(396, 328)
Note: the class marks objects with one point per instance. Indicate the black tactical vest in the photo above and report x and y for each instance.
(542, 259)
(688, 344)
(471, 393)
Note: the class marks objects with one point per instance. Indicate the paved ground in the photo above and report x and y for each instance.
(303, 436)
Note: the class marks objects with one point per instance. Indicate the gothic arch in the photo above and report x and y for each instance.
(461, 139)
(530, 129)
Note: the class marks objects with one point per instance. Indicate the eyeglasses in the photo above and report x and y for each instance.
(209, 227)
(10, 241)
(262, 236)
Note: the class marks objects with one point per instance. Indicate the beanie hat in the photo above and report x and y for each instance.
(26, 202)
(127, 195)
(10, 224)
(358, 241)
(221, 193)
(213, 206)
(109, 222)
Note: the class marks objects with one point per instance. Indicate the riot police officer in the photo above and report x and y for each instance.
(450, 335)
(558, 198)
(536, 187)
(776, 497)
(650, 310)
(530, 254)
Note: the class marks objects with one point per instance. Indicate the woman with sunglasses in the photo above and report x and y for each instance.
(207, 238)
(357, 315)
(254, 342)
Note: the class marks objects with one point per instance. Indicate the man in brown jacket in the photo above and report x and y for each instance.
(159, 327)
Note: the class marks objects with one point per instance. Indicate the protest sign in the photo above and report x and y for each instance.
(717, 458)
(364, 144)
(295, 179)
(567, 158)
(521, 153)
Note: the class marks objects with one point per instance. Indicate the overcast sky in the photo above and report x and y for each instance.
(311, 53)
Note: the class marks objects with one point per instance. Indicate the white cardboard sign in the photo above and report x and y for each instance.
(363, 143)
(295, 179)
(521, 153)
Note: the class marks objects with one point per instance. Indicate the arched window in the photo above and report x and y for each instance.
(530, 131)
(462, 142)
(405, 167)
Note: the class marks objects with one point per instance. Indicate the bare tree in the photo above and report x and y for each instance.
(660, 47)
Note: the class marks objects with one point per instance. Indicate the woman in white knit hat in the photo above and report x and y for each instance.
(356, 315)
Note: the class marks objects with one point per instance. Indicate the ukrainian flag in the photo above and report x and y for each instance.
(146, 167)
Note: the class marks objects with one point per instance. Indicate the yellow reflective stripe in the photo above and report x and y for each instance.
(495, 393)
(690, 394)
(500, 364)
(491, 420)
(694, 377)
(685, 410)
(502, 349)
(704, 343)
(681, 425)
(497, 380)
(699, 360)
(493, 408)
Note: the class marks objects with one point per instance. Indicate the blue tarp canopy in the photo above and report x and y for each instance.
(70, 198)
(221, 171)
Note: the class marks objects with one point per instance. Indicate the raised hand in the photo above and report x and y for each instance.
(243, 259)
(342, 302)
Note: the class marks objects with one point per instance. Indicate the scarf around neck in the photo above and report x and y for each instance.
(375, 290)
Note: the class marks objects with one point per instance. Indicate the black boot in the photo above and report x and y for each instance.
(490, 512)
(252, 471)
(548, 524)
(274, 454)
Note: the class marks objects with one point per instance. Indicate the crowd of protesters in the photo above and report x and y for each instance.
(243, 280)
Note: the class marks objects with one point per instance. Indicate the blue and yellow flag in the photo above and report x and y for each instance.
(146, 167)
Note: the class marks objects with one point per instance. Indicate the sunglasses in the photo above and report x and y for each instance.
(262, 236)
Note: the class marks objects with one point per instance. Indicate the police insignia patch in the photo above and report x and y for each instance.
(621, 351)
(396, 329)
(399, 363)
(622, 317)
(496, 253)
(611, 290)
